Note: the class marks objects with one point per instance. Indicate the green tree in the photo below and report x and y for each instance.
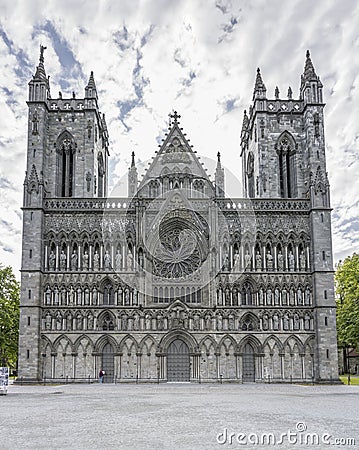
(9, 316)
(347, 290)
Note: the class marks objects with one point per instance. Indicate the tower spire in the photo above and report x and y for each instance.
(310, 84)
(40, 69)
(90, 89)
(132, 177)
(219, 177)
(39, 86)
(259, 87)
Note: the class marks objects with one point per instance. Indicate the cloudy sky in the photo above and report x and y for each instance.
(197, 56)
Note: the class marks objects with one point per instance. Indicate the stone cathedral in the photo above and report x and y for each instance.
(178, 281)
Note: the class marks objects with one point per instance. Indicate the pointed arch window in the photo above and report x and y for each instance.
(286, 150)
(101, 175)
(250, 175)
(66, 148)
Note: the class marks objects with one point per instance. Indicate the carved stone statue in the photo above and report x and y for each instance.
(284, 297)
(299, 297)
(63, 260)
(129, 261)
(58, 321)
(87, 296)
(85, 261)
(247, 260)
(63, 296)
(302, 261)
(90, 322)
(226, 264)
(296, 324)
(276, 296)
(307, 296)
(74, 259)
(48, 320)
(280, 261)
(261, 296)
(107, 260)
(265, 322)
(71, 295)
(307, 322)
(291, 297)
(56, 296)
(118, 261)
(94, 296)
(79, 321)
(48, 296)
(258, 261)
(79, 296)
(286, 322)
(269, 296)
(275, 320)
(127, 297)
(269, 261)
(236, 262)
(96, 261)
(52, 258)
(291, 261)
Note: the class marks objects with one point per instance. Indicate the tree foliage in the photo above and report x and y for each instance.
(9, 316)
(347, 289)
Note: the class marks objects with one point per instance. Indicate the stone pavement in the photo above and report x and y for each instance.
(177, 416)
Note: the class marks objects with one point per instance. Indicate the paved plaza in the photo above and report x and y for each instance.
(178, 416)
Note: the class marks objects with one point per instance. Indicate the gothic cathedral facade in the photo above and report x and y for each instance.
(177, 281)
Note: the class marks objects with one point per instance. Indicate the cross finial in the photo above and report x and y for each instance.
(175, 116)
(219, 156)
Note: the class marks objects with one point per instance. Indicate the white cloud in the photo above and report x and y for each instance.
(198, 57)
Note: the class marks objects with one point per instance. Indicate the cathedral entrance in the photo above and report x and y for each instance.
(248, 359)
(108, 362)
(178, 361)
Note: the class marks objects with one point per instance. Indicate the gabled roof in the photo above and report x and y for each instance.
(175, 156)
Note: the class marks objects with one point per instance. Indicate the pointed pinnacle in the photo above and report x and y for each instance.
(133, 159)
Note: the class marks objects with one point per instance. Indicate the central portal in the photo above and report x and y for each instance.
(178, 361)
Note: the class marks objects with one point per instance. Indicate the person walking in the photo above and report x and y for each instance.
(101, 375)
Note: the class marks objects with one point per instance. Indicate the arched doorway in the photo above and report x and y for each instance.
(108, 362)
(248, 363)
(178, 361)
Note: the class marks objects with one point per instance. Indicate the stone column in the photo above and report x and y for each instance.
(264, 258)
(302, 357)
(53, 364)
(90, 256)
(218, 365)
(275, 257)
(282, 374)
(57, 257)
(297, 257)
(74, 365)
(46, 257)
(68, 256)
(138, 368)
(79, 259)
